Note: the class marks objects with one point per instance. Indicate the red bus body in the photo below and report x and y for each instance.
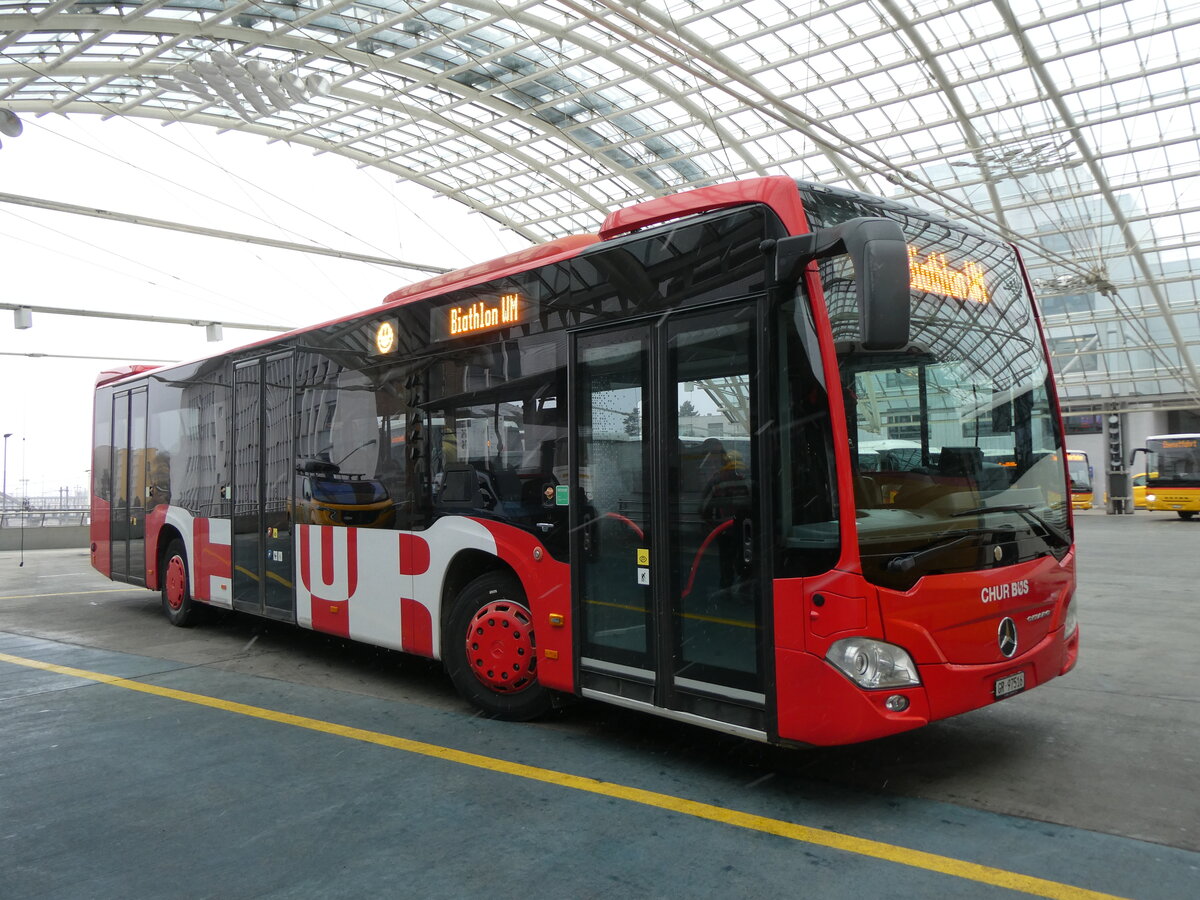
(199, 495)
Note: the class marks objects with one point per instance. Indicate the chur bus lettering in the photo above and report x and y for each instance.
(612, 466)
(998, 592)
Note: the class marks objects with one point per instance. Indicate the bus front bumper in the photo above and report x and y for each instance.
(821, 707)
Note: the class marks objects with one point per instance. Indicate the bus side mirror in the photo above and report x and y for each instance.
(877, 249)
(1133, 455)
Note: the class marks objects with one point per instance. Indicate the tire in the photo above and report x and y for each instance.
(181, 610)
(489, 650)
(1185, 515)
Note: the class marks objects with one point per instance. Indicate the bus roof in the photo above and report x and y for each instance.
(778, 191)
(493, 268)
(110, 375)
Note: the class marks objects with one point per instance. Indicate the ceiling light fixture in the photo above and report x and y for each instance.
(10, 125)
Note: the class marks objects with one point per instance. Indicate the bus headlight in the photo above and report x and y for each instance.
(1150, 498)
(873, 664)
(1070, 622)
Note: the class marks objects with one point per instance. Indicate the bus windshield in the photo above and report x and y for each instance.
(1174, 460)
(957, 452)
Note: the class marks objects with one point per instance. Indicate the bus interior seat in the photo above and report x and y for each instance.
(464, 486)
(867, 493)
(961, 462)
(508, 485)
(694, 470)
(458, 484)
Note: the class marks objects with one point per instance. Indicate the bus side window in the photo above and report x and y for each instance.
(499, 432)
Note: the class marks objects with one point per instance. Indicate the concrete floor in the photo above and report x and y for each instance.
(109, 792)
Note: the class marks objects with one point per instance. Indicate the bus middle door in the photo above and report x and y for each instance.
(131, 464)
(263, 470)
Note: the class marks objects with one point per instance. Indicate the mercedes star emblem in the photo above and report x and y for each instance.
(1007, 637)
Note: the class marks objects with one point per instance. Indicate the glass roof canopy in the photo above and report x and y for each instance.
(1069, 127)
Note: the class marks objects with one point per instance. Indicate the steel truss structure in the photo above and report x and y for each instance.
(1067, 126)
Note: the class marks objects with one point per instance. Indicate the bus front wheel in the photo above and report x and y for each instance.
(490, 652)
(1186, 515)
(176, 596)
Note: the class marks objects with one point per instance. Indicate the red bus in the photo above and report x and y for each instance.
(625, 467)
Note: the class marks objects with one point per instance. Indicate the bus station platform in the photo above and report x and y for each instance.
(243, 758)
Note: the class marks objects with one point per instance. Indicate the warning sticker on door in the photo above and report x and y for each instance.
(643, 576)
(643, 556)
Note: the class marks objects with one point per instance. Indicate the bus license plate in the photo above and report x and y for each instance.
(1009, 685)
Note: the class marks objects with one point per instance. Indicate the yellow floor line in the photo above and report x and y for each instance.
(1038, 887)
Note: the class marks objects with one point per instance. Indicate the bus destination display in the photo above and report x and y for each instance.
(481, 316)
(935, 275)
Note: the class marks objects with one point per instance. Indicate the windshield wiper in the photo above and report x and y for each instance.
(906, 561)
(1025, 511)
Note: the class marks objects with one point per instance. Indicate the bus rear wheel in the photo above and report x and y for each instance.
(490, 651)
(177, 600)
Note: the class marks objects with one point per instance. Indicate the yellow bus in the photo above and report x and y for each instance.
(1173, 473)
(1080, 472)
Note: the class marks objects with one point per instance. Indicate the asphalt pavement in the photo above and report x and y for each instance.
(248, 758)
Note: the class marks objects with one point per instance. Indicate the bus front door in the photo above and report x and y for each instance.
(666, 536)
(262, 487)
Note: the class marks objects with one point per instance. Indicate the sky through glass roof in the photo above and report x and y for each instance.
(1068, 127)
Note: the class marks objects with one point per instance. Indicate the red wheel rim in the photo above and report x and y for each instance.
(176, 583)
(500, 647)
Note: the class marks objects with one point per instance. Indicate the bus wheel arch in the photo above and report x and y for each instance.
(488, 642)
(178, 606)
(166, 536)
